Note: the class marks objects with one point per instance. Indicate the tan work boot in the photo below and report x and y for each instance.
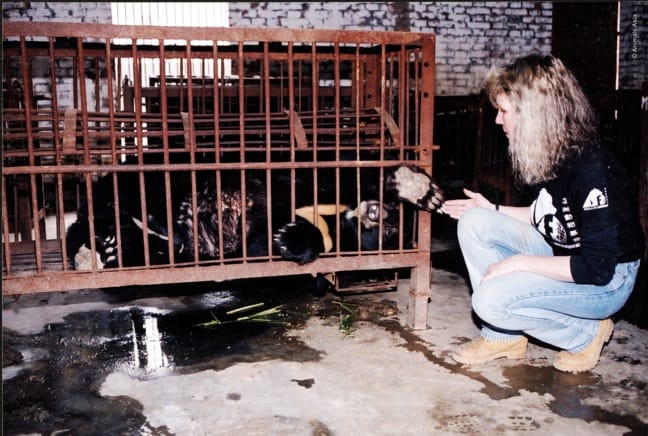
(482, 350)
(589, 357)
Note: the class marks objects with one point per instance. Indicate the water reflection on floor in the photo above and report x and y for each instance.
(54, 375)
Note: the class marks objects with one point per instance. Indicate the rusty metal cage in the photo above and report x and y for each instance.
(84, 101)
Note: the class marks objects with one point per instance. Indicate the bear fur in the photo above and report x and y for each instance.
(302, 238)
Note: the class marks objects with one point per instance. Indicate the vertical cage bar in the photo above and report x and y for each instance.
(217, 145)
(268, 144)
(356, 98)
(33, 203)
(314, 103)
(420, 277)
(164, 111)
(137, 83)
(291, 141)
(336, 104)
(244, 146)
(5, 229)
(383, 107)
(79, 72)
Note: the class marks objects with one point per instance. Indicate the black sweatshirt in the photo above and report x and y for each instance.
(588, 212)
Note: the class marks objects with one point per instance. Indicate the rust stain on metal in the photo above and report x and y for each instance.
(222, 100)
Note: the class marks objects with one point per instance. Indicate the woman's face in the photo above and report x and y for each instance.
(505, 115)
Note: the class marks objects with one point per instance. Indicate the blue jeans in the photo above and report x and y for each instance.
(565, 315)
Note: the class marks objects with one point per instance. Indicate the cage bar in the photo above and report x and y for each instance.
(159, 105)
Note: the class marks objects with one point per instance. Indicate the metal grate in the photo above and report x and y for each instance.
(328, 106)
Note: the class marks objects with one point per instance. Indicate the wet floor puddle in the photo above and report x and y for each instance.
(51, 379)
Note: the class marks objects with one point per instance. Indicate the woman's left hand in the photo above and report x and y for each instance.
(555, 267)
(505, 266)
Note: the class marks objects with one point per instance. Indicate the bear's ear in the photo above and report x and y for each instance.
(413, 185)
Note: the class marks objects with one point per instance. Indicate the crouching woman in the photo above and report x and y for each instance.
(559, 269)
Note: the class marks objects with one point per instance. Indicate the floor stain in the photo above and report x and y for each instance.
(58, 388)
(306, 383)
(569, 390)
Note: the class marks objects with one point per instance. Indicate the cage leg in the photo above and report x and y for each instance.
(419, 294)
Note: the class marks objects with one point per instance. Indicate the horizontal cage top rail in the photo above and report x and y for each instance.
(246, 35)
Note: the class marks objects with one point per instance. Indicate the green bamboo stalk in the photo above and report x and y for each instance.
(245, 308)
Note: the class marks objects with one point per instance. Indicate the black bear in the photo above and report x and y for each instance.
(219, 229)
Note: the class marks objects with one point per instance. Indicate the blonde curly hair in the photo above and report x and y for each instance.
(553, 116)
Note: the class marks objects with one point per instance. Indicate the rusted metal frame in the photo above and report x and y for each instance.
(266, 54)
(74, 30)
(417, 97)
(164, 111)
(6, 75)
(139, 135)
(116, 197)
(5, 228)
(120, 77)
(389, 82)
(35, 224)
(149, 51)
(403, 94)
(218, 102)
(18, 215)
(54, 92)
(53, 281)
(181, 88)
(7, 252)
(414, 57)
(53, 169)
(79, 77)
(314, 119)
(358, 103)
(203, 85)
(300, 76)
(337, 104)
(113, 151)
(406, 80)
(291, 103)
(242, 111)
(97, 84)
(268, 155)
(192, 155)
(299, 132)
(280, 125)
(264, 91)
(188, 132)
(383, 97)
(421, 274)
(271, 257)
(75, 76)
(60, 206)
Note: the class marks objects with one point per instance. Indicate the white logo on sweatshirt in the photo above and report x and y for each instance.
(596, 199)
(545, 218)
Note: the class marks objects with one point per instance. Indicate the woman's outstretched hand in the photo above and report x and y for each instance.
(456, 208)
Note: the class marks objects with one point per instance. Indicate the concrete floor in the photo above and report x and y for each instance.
(134, 362)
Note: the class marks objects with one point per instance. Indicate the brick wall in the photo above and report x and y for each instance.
(63, 12)
(74, 12)
(470, 35)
